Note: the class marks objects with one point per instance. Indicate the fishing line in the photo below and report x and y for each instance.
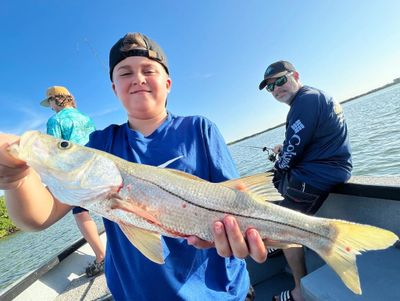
(94, 52)
(270, 151)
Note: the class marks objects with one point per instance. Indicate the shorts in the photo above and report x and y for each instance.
(77, 210)
(300, 196)
(251, 294)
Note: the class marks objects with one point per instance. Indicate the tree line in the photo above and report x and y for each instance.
(7, 227)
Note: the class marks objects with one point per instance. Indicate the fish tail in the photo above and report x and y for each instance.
(350, 240)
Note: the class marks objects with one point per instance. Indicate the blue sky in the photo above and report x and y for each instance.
(217, 52)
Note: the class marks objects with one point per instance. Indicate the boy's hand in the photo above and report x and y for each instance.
(12, 170)
(229, 241)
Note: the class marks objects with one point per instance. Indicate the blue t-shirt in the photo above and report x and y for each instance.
(316, 149)
(188, 273)
(70, 124)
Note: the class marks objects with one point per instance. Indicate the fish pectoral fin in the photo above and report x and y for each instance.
(132, 206)
(259, 186)
(148, 243)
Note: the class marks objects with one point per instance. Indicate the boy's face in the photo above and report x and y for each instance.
(142, 85)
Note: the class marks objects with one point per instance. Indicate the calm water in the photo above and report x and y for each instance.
(374, 128)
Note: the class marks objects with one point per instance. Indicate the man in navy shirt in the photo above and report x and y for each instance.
(315, 155)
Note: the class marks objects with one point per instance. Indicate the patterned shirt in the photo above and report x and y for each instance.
(70, 124)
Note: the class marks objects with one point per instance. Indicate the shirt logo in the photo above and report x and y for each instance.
(169, 162)
(297, 126)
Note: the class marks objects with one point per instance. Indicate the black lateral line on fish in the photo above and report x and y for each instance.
(234, 214)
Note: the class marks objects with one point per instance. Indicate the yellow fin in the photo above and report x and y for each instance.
(350, 239)
(259, 186)
(148, 243)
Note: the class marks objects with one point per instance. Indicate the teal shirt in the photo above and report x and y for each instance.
(70, 124)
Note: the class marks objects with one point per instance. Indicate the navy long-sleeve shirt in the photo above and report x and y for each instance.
(316, 149)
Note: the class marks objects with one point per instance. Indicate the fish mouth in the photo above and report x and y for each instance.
(31, 142)
(17, 149)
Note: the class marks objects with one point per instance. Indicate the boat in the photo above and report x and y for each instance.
(61, 278)
(369, 200)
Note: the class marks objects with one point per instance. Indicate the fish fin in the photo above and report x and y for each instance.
(350, 240)
(259, 186)
(135, 207)
(148, 243)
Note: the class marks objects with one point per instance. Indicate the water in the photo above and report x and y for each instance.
(374, 134)
(23, 252)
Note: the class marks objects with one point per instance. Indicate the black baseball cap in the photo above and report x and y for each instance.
(276, 69)
(151, 50)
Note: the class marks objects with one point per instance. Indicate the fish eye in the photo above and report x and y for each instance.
(64, 145)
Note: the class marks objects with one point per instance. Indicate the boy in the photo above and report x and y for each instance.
(140, 79)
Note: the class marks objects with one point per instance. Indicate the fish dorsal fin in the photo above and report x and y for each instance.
(148, 243)
(259, 186)
(184, 174)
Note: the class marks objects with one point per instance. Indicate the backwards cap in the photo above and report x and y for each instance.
(121, 51)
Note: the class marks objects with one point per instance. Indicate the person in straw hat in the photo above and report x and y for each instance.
(70, 124)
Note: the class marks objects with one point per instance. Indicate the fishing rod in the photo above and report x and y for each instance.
(95, 54)
(270, 151)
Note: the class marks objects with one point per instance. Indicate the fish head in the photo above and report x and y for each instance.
(76, 175)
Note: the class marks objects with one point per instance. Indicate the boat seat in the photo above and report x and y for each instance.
(379, 273)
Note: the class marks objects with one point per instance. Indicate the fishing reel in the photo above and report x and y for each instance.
(271, 154)
(270, 151)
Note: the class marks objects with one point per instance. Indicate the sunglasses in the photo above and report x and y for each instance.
(279, 82)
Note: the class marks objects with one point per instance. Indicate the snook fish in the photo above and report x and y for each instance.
(147, 202)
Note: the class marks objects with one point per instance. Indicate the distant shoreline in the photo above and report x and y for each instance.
(395, 82)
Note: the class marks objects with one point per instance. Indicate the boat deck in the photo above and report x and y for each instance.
(66, 282)
(85, 289)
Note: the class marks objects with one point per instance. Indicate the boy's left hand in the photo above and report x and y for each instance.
(229, 241)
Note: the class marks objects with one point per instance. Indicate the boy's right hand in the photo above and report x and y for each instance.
(12, 170)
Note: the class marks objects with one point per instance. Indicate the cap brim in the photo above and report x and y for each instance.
(264, 82)
(45, 103)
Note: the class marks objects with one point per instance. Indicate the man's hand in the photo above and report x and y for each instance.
(277, 149)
